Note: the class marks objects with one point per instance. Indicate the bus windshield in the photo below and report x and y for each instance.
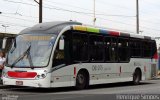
(31, 50)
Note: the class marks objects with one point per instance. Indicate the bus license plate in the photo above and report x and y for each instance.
(19, 82)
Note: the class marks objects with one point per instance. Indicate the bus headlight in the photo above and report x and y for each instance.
(41, 76)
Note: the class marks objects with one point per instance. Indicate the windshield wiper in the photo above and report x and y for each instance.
(21, 57)
(30, 59)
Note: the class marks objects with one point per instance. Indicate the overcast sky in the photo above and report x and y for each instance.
(115, 14)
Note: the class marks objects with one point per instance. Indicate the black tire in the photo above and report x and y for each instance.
(1, 81)
(136, 77)
(81, 80)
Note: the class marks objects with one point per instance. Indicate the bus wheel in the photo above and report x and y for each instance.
(81, 80)
(137, 77)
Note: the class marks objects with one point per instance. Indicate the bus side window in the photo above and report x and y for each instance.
(110, 49)
(136, 48)
(63, 56)
(153, 48)
(123, 49)
(96, 48)
(58, 56)
(107, 49)
(113, 49)
(147, 49)
(1, 42)
(80, 47)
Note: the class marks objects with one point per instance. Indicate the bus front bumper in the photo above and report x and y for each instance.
(41, 83)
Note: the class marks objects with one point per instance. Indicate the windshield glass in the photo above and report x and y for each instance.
(31, 48)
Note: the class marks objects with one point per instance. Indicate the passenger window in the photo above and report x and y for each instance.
(147, 49)
(80, 47)
(123, 49)
(63, 56)
(110, 49)
(1, 42)
(153, 48)
(107, 48)
(113, 54)
(136, 48)
(58, 56)
(96, 48)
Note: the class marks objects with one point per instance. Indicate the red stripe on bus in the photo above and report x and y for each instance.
(74, 71)
(21, 74)
(114, 33)
(120, 70)
(145, 70)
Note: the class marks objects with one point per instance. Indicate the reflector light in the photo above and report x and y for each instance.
(74, 71)
(155, 56)
(21, 74)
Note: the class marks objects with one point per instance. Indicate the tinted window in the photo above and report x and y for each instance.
(80, 47)
(96, 48)
(123, 49)
(135, 48)
(146, 49)
(110, 49)
(58, 56)
(1, 42)
(153, 48)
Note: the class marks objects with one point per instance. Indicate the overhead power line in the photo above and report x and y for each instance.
(13, 24)
(18, 18)
(20, 2)
(84, 13)
(98, 12)
(62, 9)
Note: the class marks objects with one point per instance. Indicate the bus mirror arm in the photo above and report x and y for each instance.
(61, 44)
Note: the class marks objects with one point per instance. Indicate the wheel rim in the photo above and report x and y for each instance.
(80, 79)
(136, 78)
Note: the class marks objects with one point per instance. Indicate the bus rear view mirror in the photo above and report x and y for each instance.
(61, 43)
(4, 43)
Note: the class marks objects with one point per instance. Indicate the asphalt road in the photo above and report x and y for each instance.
(115, 91)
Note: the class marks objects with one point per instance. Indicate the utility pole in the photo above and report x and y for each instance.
(137, 16)
(40, 10)
(94, 12)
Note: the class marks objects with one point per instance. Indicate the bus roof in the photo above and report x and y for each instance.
(108, 32)
(49, 27)
(56, 27)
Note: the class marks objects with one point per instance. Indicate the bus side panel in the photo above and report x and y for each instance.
(62, 77)
(99, 73)
(102, 72)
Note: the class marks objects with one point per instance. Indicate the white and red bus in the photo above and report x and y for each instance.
(61, 54)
